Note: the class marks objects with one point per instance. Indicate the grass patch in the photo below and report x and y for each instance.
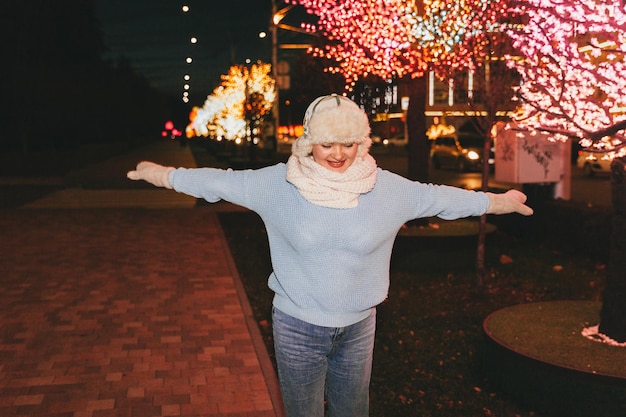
(447, 228)
(542, 330)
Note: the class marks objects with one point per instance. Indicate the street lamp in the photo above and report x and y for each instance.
(276, 106)
(277, 16)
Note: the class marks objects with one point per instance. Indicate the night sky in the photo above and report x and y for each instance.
(155, 36)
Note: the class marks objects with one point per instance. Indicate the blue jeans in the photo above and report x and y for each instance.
(324, 363)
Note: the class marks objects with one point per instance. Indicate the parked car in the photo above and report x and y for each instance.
(397, 140)
(594, 162)
(461, 150)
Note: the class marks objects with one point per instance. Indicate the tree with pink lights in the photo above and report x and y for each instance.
(573, 82)
(574, 74)
(366, 38)
(393, 39)
(373, 38)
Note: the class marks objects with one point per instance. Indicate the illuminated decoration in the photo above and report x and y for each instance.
(236, 106)
(462, 34)
(171, 131)
(366, 38)
(439, 128)
(573, 71)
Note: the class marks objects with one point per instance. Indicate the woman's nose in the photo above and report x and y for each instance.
(337, 151)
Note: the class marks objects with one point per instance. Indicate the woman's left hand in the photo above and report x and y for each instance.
(510, 202)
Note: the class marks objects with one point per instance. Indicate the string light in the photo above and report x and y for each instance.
(193, 40)
(462, 34)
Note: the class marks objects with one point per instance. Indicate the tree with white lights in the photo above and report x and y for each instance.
(460, 35)
(464, 43)
(237, 106)
(573, 83)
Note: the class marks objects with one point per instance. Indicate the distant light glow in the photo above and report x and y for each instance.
(245, 95)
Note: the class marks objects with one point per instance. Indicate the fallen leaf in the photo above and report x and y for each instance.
(505, 259)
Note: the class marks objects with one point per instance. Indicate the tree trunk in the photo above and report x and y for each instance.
(482, 224)
(418, 147)
(613, 312)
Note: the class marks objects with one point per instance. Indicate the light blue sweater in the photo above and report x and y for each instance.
(331, 266)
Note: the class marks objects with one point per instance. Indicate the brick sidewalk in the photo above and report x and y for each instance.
(126, 312)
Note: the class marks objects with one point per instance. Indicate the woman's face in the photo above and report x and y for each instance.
(335, 156)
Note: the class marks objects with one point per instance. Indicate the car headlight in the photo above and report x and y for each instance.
(473, 155)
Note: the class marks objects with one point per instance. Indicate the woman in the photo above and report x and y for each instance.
(331, 217)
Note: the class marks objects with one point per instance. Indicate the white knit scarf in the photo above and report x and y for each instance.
(327, 188)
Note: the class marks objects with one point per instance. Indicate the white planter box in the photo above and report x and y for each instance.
(522, 158)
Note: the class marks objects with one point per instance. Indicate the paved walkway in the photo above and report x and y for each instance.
(125, 301)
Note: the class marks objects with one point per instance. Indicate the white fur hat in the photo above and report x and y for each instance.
(333, 119)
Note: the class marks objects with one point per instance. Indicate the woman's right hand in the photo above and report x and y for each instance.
(153, 173)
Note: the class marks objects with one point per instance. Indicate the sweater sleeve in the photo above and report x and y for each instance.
(247, 188)
(420, 200)
(451, 203)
